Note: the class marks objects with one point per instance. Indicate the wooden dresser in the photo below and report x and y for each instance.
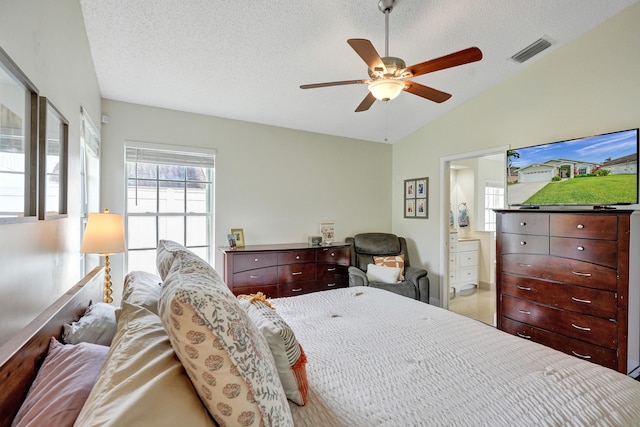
(563, 281)
(286, 270)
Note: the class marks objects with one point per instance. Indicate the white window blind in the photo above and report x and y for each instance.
(154, 155)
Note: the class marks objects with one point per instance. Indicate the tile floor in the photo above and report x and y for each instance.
(479, 304)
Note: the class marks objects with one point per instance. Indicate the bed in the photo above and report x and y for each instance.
(372, 358)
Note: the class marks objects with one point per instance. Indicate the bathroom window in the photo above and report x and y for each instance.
(493, 199)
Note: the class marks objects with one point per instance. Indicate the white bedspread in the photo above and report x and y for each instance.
(379, 359)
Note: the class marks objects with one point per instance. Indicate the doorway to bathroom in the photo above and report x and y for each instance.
(473, 185)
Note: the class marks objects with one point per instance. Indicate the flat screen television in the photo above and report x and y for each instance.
(599, 171)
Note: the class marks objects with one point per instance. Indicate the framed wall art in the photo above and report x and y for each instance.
(416, 198)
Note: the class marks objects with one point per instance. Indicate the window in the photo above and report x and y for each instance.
(493, 199)
(18, 143)
(89, 180)
(169, 196)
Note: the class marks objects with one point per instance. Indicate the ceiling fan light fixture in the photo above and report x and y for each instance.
(386, 89)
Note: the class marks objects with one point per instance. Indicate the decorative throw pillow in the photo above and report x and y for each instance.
(287, 352)
(224, 354)
(391, 261)
(381, 273)
(142, 382)
(97, 326)
(165, 253)
(142, 289)
(62, 385)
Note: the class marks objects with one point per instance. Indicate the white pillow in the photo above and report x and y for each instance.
(382, 273)
(97, 326)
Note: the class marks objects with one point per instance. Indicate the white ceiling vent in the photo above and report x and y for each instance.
(531, 50)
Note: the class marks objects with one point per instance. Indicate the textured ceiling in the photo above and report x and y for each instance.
(245, 59)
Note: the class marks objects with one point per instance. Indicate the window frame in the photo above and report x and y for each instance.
(30, 114)
(177, 152)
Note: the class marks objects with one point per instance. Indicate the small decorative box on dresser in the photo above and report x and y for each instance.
(285, 270)
(563, 281)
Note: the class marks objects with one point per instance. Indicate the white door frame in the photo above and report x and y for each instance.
(445, 200)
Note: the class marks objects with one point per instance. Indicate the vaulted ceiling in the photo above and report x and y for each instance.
(246, 59)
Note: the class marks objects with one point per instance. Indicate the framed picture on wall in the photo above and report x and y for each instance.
(416, 198)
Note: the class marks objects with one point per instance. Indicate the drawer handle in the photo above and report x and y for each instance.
(524, 265)
(585, 301)
(580, 226)
(331, 269)
(524, 311)
(581, 248)
(523, 243)
(296, 290)
(522, 224)
(297, 256)
(333, 254)
(581, 274)
(581, 327)
(296, 273)
(523, 288)
(582, 356)
(331, 285)
(254, 276)
(523, 335)
(255, 260)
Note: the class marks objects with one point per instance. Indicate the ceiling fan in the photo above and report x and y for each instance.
(389, 75)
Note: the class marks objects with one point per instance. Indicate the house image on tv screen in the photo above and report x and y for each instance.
(565, 168)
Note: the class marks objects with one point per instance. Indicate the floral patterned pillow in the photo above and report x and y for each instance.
(225, 356)
(167, 249)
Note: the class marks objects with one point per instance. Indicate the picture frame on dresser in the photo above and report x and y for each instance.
(238, 234)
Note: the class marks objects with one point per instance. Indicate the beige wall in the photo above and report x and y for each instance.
(40, 260)
(277, 184)
(589, 86)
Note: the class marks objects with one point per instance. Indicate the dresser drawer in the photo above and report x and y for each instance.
(603, 252)
(593, 353)
(296, 257)
(591, 329)
(468, 275)
(468, 245)
(331, 283)
(525, 223)
(334, 255)
(327, 271)
(561, 270)
(242, 262)
(296, 273)
(525, 244)
(258, 276)
(293, 289)
(584, 226)
(579, 299)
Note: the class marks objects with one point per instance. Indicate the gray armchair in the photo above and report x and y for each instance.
(365, 246)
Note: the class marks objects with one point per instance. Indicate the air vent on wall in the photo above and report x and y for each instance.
(531, 50)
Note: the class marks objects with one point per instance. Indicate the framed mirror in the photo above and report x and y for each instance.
(53, 161)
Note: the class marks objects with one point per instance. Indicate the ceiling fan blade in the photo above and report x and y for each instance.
(368, 53)
(426, 92)
(462, 57)
(340, 83)
(366, 103)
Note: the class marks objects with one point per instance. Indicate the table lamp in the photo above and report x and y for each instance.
(104, 235)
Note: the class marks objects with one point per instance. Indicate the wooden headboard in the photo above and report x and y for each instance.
(23, 354)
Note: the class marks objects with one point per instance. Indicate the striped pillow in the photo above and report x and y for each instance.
(287, 352)
(391, 261)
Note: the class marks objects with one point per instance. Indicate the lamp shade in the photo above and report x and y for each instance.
(104, 234)
(386, 89)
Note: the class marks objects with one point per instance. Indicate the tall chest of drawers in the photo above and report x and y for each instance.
(563, 281)
(286, 269)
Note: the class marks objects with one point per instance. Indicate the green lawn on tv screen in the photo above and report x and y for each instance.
(601, 190)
